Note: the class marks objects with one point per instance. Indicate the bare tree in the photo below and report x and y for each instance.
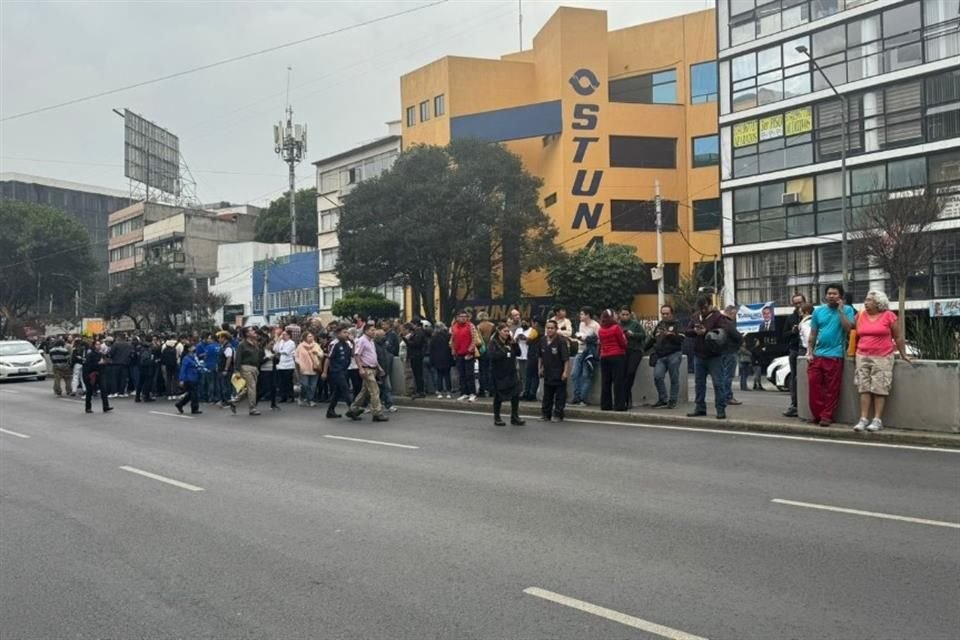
(892, 238)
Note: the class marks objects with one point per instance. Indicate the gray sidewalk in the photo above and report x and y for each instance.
(761, 411)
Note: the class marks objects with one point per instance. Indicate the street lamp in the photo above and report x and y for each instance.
(843, 165)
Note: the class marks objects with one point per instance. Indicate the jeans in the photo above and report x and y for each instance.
(729, 361)
(746, 370)
(93, 384)
(78, 385)
(634, 360)
(170, 374)
(532, 383)
(486, 374)
(145, 376)
(465, 372)
(668, 364)
(308, 387)
(386, 396)
(714, 368)
(442, 380)
(133, 376)
(582, 375)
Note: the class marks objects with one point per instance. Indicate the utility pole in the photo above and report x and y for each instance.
(520, 13)
(658, 272)
(76, 303)
(290, 143)
(266, 280)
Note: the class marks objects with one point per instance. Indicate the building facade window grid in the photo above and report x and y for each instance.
(329, 220)
(411, 116)
(648, 88)
(703, 82)
(439, 106)
(761, 215)
(353, 173)
(424, 111)
(752, 19)
(706, 151)
(328, 258)
(889, 40)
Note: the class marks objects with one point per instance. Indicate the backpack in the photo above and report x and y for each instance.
(146, 357)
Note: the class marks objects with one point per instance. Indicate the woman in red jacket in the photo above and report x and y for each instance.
(613, 363)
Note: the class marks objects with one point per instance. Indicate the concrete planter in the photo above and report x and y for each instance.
(925, 396)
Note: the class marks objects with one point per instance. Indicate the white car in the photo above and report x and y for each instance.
(778, 372)
(20, 359)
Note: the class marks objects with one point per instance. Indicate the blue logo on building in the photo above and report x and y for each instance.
(585, 118)
(584, 82)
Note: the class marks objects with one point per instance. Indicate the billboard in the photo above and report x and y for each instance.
(750, 317)
(151, 154)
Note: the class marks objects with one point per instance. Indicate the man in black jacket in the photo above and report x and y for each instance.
(667, 343)
(713, 333)
(416, 341)
(791, 335)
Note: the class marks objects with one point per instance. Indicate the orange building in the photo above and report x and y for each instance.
(600, 116)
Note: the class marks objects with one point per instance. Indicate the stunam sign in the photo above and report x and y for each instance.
(585, 115)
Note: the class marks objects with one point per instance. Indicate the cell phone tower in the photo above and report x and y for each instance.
(290, 143)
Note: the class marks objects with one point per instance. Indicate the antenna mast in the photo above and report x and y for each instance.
(290, 143)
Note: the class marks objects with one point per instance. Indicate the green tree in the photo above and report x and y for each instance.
(604, 276)
(37, 245)
(368, 303)
(891, 236)
(153, 296)
(273, 224)
(454, 218)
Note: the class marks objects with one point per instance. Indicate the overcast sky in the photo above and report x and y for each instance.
(345, 86)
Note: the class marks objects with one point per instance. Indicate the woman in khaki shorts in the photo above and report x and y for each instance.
(877, 336)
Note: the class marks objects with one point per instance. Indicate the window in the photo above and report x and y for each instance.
(706, 151)
(328, 258)
(550, 200)
(946, 266)
(773, 143)
(125, 227)
(329, 219)
(941, 32)
(329, 181)
(438, 106)
(943, 106)
(703, 82)
(411, 116)
(424, 111)
(643, 152)
(706, 214)
(650, 88)
(641, 215)
(329, 295)
(770, 75)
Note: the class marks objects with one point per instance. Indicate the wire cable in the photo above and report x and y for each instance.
(219, 63)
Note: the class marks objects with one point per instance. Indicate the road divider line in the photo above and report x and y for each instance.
(610, 614)
(170, 415)
(726, 432)
(15, 434)
(10, 391)
(385, 444)
(159, 478)
(872, 514)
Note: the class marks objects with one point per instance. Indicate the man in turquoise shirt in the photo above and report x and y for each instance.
(829, 326)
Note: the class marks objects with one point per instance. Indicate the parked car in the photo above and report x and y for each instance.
(20, 359)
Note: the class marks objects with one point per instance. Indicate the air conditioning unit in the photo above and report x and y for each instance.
(790, 198)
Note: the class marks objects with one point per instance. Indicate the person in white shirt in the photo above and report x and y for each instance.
(805, 325)
(587, 357)
(521, 335)
(564, 326)
(286, 349)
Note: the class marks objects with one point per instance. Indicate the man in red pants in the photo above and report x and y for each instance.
(826, 348)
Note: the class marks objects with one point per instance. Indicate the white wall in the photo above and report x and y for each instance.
(235, 270)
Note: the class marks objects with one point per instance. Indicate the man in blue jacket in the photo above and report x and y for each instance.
(190, 373)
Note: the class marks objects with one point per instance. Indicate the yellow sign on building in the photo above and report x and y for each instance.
(745, 133)
(771, 127)
(798, 121)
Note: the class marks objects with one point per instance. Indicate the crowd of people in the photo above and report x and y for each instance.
(519, 359)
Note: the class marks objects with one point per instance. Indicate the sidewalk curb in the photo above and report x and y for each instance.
(887, 436)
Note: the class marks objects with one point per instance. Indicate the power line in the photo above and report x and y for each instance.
(219, 63)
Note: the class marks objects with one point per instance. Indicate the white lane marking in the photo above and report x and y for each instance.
(726, 432)
(14, 433)
(872, 514)
(610, 614)
(10, 391)
(385, 444)
(170, 415)
(153, 476)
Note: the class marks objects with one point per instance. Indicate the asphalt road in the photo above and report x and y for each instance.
(573, 531)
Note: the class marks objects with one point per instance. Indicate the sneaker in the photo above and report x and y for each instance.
(696, 414)
(860, 426)
(439, 396)
(112, 395)
(875, 425)
(449, 396)
(381, 419)
(311, 404)
(824, 422)
(254, 412)
(472, 398)
(366, 410)
(544, 418)
(734, 401)
(659, 405)
(791, 412)
(462, 398)
(392, 409)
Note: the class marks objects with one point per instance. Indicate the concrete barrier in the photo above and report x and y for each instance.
(644, 391)
(925, 396)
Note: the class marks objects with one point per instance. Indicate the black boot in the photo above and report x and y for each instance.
(517, 421)
(498, 421)
(515, 412)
